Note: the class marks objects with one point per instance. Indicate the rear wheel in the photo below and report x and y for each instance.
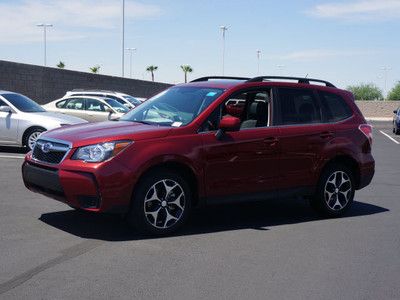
(31, 136)
(335, 191)
(395, 129)
(161, 203)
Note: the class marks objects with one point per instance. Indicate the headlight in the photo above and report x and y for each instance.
(100, 152)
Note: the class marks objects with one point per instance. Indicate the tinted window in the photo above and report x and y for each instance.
(95, 105)
(132, 100)
(335, 108)
(298, 106)
(61, 104)
(116, 105)
(23, 103)
(2, 103)
(76, 103)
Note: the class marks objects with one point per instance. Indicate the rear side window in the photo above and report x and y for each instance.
(334, 107)
(298, 106)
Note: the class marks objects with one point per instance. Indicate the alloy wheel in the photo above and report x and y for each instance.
(33, 138)
(164, 204)
(338, 190)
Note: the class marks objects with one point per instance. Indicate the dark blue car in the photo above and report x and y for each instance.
(396, 121)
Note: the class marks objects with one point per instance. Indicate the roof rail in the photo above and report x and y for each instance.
(93, 90)
(207, 78)
(299, 79)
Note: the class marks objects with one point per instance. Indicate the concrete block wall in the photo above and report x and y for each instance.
(45, 84)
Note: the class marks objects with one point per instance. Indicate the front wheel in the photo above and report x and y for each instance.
(161, 203)
(335, 191)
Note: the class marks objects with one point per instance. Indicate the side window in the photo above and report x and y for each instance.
(94, 105)
(251, 107)
(334, 107)
(2, 103)
(61, 104)
(75, 103)
(298, 106)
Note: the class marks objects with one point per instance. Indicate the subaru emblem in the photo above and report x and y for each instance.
(46, 147)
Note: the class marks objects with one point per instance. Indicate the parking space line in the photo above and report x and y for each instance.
(12, 156)
(389, 137)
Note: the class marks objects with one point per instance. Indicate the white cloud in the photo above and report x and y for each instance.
(71, 18)
(380, 10)
(318, 54)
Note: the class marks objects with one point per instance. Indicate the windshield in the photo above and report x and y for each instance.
(116, 105)
(175, 107)
(133, 100)
(23, 103)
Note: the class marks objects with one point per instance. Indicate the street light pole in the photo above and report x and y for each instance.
(223, 28)
(131, 50)
(123, 38)
(386, 69)
(258, 61)
(44, 40)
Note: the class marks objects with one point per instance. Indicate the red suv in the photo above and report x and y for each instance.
(214, 140)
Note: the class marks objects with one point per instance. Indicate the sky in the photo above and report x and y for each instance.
(345, 42)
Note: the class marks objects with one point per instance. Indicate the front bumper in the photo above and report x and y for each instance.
(105, 188)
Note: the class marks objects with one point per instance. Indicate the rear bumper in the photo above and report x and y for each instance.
(367, 172)
(81, 189)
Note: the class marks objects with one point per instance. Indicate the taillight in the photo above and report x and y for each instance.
(367, 130)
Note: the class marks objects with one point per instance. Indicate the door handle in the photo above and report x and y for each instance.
(271, 140)
(326, 134)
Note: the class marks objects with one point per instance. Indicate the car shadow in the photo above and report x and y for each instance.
(7, 149)
(257, 216)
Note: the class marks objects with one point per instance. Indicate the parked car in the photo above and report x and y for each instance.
(22, 120)
(183, 148)
(396, 121)
(90, 108)
(125, 99)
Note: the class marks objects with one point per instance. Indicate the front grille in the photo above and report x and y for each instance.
(49, 151)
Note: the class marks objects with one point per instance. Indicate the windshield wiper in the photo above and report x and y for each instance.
(145, 122)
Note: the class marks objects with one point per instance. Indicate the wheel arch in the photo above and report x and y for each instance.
(26, 131)
(182, 169)
(348, 161)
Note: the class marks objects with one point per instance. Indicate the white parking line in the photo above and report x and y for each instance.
(389, 137)
(12, 156)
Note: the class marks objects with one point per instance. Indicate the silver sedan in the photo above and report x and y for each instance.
(22, 120)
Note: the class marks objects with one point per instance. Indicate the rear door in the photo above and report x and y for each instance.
(75, 107)
(304, 137)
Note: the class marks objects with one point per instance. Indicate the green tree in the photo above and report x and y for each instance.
(61, 65)
(394, 93)
(95, 69)
(186, 69)
(152, 69)
(366, 91)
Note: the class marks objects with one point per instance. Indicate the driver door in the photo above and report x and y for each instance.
(242, 164)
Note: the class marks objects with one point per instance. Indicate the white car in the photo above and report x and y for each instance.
(90, 108)
(124, 99)
(22, 120)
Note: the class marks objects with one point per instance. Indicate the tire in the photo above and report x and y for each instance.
(396, 130)
(161, 203)
(31, 135)
(335, 191)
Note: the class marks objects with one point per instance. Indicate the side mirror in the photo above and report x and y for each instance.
(6, 109)
(227, 123)
(108, 109)
(395, 111)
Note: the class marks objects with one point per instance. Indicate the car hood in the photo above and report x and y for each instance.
(53, 116)
(93, 133)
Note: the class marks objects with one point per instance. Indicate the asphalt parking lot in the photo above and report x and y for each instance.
(272, 250)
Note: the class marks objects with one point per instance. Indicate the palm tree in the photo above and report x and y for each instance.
(186, 69)
(61, 65)
(152, 69)
(95, 69)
